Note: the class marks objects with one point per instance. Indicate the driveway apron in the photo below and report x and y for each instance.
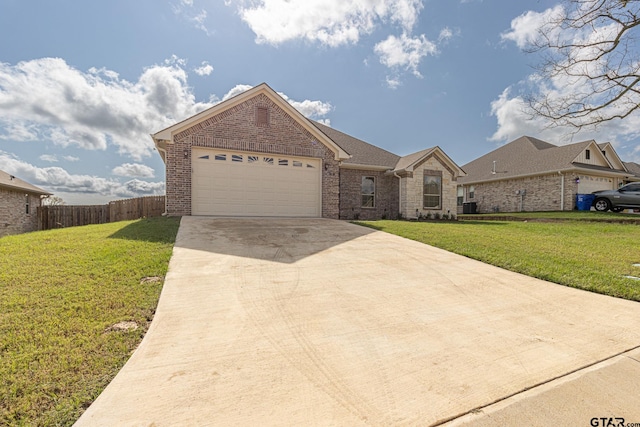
(310, 322)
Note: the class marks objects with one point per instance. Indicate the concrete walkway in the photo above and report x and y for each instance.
(319, 322)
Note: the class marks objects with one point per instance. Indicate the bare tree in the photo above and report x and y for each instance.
(53, 201)
(590, 67)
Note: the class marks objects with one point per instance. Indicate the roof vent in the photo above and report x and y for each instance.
(262, 116)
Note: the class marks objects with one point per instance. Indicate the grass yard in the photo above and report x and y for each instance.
(61, 291)
(594, 256)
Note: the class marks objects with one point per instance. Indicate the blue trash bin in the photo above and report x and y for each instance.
(584, 201)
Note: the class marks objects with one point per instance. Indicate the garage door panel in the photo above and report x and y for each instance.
(247, 184)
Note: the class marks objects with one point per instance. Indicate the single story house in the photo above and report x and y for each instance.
(19, 202)
(256, 155)
(533, 175)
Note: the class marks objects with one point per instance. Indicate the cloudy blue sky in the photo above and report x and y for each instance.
(83, 84)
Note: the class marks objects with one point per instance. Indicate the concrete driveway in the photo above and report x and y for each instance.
(321, 322)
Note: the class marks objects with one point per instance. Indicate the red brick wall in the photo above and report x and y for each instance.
(236, 129)
(13, 216)
(386, 199)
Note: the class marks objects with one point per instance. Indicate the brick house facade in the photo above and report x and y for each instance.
(413, 183)
(259, 125)
(19, 203)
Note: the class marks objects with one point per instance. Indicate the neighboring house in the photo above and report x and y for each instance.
(256, 155)
(633, 168)
(19, 202)
(533, 175)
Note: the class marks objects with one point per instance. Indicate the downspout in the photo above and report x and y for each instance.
(399, 193)
(561, 190)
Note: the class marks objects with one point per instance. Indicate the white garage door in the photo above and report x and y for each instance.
(589, 184)
(232, 183)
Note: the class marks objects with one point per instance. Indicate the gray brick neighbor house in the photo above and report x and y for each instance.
(528, 174)
(256, 155)
(19, 202)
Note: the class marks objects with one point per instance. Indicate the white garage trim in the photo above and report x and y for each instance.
(237, 183)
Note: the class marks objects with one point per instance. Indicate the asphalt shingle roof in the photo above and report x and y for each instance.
(523, 156)
(362, 153)
(14, 183)
(633, 167)
(410, 159)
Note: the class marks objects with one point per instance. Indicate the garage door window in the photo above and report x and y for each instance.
(368, 190)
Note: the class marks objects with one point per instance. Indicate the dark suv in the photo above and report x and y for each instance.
(625, 197)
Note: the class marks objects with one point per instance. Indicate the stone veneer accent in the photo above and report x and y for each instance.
(386, 198)
(13, 216)
(236, 129)
(542, 193)
(412, 189)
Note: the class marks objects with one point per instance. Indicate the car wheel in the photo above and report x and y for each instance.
(602, 205)
(617, 209)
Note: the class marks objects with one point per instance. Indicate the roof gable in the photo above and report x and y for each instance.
(165, 136)
(13, 183)
(610, 153)
(410, 161)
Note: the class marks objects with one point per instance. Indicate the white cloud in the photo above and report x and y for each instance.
(71, 158)
(204, 69)
(236, 90)
(393, 82)
(48, 100)
(308, 108)
(514, 120)
(330, 22)
(525, 29)
(405, 52)
(49, 158)
(445, 34)
(133, 170)
(197, 19)
(58, 180)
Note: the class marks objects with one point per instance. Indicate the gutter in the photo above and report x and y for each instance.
(611, 174)
(399, 192)
(364, 167)
(561, 190)
(163, 154)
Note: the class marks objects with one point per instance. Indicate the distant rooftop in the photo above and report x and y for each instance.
(14, 183)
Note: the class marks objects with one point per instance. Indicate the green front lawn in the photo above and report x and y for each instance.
(588, 255)
(61, 291)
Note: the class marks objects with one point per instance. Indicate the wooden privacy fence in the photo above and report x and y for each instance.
(120, 210)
